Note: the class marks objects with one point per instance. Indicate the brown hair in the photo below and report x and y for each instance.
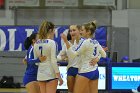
(90, 27)
(45, 28)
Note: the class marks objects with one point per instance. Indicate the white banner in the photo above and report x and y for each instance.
(61, 3)
(101, 83)
(25, 3)
(99, 2)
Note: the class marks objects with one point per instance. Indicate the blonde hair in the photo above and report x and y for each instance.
(91, 26)
(77, 26)
(45, 28)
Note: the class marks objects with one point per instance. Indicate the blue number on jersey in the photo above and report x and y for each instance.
(40, 48)
(95, 48)
(95, 51)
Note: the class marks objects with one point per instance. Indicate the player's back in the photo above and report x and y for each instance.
(46, 69)
(91, 51)
(44, 47)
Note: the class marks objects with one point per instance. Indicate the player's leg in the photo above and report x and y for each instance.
(31, 84)
(33, 87)
(70, 83)
(80, 84)
(93, 86)
(71, 76)
(87, 89)
(51, 86)
(42, 85)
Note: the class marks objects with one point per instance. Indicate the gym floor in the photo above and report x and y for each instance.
(8, 90)
(23, 90)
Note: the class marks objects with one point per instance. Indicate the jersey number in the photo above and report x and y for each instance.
(40, 48)
(95, 51)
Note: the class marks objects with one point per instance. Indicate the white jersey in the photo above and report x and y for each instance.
(72, 62)
(62, 52)
(47, 69)
(88, 49)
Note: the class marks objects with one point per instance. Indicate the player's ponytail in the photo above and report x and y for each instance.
(27, 43)
(44, 29)
(91, 26)
(29, 40)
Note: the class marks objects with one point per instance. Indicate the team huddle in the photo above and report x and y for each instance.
(81, 50)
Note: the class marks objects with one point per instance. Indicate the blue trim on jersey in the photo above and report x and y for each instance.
(46, 41)
(79, 45)
(93, 38)
(56, 47)
(82, 38)
(38, 41)
(42, 41)
(30, 56)
(93, 75)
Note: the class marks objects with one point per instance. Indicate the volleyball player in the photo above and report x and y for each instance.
(87, 50)
(48, 72)
(72, 67)
(30, 77)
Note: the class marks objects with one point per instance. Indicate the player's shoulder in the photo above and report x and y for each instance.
(38, 41)
(88, 40)
(82, 40)
(94, 41)
(50, 41)
(44, 41)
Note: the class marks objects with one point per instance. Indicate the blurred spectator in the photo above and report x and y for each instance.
(125, 59)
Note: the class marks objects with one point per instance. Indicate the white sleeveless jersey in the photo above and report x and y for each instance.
(47, 69)
(88, 49)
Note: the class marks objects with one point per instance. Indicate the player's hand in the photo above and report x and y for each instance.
(94, 61)
(105, 48)
(60, 81)
(24, 61)
(42, 58)
(64, 37)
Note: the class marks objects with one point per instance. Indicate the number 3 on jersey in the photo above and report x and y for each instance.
(95, 51)
(40, 48)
